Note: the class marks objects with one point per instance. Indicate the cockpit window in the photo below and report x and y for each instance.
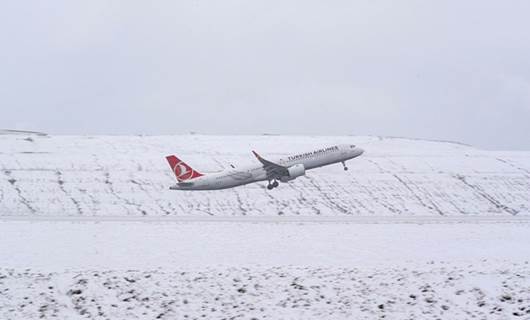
(352, 146)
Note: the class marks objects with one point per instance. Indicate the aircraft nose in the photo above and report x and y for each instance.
(358, 151)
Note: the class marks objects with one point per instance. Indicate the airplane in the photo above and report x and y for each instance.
(283, 170)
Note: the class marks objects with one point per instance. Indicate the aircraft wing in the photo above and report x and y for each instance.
(274, 171)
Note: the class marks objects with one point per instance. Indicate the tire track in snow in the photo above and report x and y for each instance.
(433, 206)
(513, 165)
(60, 181)
(332, 204)
(488, 197)
(122, 200)
(13, 182)
(145, 191)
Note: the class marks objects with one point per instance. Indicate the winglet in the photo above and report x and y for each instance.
(258, 156)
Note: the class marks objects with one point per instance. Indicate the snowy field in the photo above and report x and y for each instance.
(415, 230)
(437, 292)
(135, 270)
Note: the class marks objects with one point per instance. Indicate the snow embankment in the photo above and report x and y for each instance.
(128, 176)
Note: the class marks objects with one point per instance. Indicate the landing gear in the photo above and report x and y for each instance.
(272, 185)
(345, 168)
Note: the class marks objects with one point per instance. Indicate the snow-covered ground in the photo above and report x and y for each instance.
(136, 245)
(437, 292)
(415, 230)
(128, 176)
(135, 270)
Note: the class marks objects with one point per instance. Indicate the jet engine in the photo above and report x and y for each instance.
(295, 171)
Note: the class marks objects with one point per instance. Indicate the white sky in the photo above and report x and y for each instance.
(456, 70)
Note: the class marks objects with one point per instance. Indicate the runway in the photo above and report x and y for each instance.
(471, 219)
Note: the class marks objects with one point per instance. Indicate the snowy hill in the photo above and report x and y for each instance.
(128, 175)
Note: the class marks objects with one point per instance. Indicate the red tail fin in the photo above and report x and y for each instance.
(182, 171)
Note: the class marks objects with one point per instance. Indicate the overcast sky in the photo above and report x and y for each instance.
(451, 69)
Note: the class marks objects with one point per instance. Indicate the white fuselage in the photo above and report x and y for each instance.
(234, 177)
